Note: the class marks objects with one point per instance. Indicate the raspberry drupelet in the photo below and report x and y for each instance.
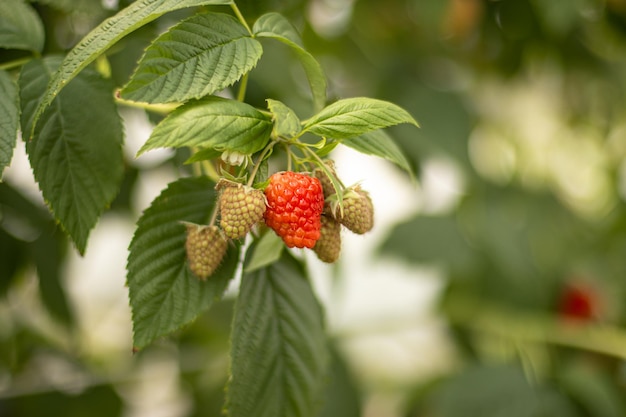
(295, 202)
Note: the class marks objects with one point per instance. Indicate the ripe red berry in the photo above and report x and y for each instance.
(578, 302)
(295, 203)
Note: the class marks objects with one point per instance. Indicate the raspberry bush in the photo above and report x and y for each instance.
(257, 174)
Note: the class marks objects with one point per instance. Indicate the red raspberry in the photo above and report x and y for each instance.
(295, 203)
(578, 302)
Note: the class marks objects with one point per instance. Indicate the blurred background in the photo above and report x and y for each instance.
(492, 285)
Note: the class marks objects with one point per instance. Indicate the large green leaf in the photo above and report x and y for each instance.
(68, 6)
(213, 122)
(108, 33)
(20, 26)
(379, 143)
(352, 117)
(275, 26)
(494, 391)
(199, 56)
(76, 151)
(49, 255)
(164, 294)
(279, 353)
(9, 118)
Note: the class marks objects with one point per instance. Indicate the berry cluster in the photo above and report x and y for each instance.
(354, 211)
(304, 211)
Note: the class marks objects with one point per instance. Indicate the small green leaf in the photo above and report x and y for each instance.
(204, 155)
(199, 56)
(279, 354)
(20, 26)
(352, 117)
(286, 122)
(213, 122)
(76, 157)
(275, 26)
(266, 252)
(9, 118)
(106, 34)
(164, 294)
(379, 143)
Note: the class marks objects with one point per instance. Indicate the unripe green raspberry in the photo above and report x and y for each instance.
(241, 207)
(328, 247)
(358, 211)
(206, 247)
(327, 185)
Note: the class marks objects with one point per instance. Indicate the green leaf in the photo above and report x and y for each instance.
(379, 143)
(352, 117)
(342, 397)
(20, 26)
(69, 6)
(275, 26)
(278, 349)
(593, 389)
(213, 122)
(107, 34)
(200, 56)
(48, 253)
(204, 155)
(267, 251)
(9, 118)
(164, 294)
(481, 391)
(286, 122)
(76, 157)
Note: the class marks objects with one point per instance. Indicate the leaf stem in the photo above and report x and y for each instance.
(155, 108)
(241, 18)
(259, 162)
(14, 64)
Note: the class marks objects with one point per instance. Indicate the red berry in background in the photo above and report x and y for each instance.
(578, 302)
(295, 203)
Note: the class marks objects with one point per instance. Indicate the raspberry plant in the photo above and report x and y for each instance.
(180, 259)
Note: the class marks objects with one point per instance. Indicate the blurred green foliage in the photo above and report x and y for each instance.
(484, 78)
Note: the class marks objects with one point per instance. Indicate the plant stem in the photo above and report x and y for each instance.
(214, 214)
(241, 94)
(526, 327)
(210, 171)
